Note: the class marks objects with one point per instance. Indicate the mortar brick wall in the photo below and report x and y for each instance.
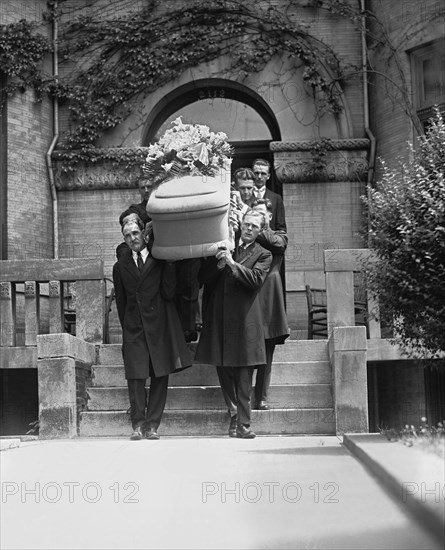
(29, 127)
(409, 24)
(320, 216)
(89, 223)
(336, 31)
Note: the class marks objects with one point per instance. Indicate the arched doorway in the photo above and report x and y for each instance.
(223, 105)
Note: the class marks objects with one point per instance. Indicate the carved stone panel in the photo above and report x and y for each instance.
(322, 161)
(116, 168)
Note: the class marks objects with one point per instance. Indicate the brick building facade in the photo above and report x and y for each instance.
(76, 216)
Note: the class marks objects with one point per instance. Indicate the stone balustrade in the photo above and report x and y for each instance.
(63, 361)
(46, 280)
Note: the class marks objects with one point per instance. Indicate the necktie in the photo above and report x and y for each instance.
(140, 261)
(241, 249)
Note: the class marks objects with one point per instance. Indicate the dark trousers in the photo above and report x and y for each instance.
(263, 374)
(155, 402)
(187, 292)
(236, 386)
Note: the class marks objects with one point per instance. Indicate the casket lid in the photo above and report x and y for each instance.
(190, 193)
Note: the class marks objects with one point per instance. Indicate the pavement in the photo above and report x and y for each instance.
(216, 492)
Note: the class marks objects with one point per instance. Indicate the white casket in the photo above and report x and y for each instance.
(190, 216)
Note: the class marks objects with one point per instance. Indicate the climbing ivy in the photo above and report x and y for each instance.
(22, 51)
(114, 53)
(140, 52)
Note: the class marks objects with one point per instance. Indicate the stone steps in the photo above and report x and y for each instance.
(202, 423)
(300, 396)
(307, 372)
(291, 351)
(210, 397)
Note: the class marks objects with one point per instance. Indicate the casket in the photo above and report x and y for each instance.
(190, 216)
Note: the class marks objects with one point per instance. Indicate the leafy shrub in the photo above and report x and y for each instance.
(407, 233)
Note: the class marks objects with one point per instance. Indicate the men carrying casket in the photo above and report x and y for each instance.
(233, 338)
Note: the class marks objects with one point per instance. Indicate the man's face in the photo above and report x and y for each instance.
(261, 175)
(145, 189)
(133, 236)
(262, 208)
(250, 228)
(245, 188)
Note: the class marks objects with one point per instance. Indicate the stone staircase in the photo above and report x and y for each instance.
(300, 397)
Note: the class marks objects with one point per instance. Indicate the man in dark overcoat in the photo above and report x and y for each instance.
(276, 328)
(232, 337)
(153, 341)
(261, 171)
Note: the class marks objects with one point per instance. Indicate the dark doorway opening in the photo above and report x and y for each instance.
(19, 407)
(402, 392)
(247, 151)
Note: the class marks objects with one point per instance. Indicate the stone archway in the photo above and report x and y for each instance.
(218, 88)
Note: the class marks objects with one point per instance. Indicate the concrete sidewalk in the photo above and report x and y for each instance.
(270, 492)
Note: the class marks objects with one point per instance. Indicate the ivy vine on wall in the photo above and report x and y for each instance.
(22, 51)
(112, 54)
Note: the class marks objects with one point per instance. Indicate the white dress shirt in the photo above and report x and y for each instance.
(144, 256)
(259, 192)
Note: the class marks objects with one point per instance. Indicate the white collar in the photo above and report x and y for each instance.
(144, 254)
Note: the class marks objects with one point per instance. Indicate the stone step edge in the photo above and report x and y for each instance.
(210, 386)
(219, 411)
(274, 364)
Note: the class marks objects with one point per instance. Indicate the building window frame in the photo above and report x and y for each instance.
(433, 53)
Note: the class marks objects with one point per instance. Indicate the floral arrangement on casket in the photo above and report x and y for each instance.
(189, 168)
(187, 149)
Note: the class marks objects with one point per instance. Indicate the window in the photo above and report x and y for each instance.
(236, 119)
(428, 75)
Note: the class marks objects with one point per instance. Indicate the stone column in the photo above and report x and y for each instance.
(59, 356)
(347, 350)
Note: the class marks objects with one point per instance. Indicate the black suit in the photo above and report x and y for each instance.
(278, 222)
(153, 342)
(233, 332)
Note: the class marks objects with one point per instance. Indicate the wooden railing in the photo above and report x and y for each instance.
(36, 296)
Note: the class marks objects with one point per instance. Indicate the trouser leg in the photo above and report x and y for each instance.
(263, 374)
(243, 384)
(138, 398)
(188, 292)
(156, 401)
(227, 383)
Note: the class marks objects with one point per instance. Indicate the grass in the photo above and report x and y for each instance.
(427, 438)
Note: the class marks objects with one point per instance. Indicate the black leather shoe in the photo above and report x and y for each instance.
(245, 432)
(232, 426)
(151, 434)
(262, 406)
(137, 434)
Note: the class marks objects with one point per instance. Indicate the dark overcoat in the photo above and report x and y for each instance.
(278, 222)
(233, 330)
(150, 324)
(271, 295)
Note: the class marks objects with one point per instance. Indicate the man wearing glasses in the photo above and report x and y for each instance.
(261, 171)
